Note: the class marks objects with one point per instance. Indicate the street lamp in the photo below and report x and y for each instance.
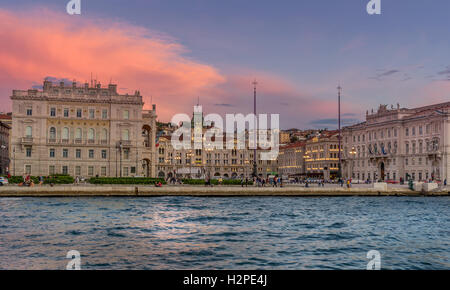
(3, 147)
(353, 154)
(120, 154)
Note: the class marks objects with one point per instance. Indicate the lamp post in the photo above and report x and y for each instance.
(14, 163)
(3, 147)
(353, 154)
(120, 154)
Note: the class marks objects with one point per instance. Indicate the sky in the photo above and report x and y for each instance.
(177, 51)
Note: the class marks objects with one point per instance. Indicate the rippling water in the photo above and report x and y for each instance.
(225, 233)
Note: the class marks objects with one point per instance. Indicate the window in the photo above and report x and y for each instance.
(78, 153)
(126, 114)
(90, 170)
(126, 154)
(65, 170)
(29, 112)
(65, 153)
(104, 135)
(125, 171)
(52, 153)
(66, 112)
(407, 132)
(91, 153)
(91, 113)
(78, 134)
(28, 169)
(104, 114)
(65, 133)
(133, 170)
(79, 113)
(51, 170)
(126, 135)
(29, 132)
(104, 154)
(91, 134)
(52, 133)
(52, 112)
(28, 151)
(77, 170)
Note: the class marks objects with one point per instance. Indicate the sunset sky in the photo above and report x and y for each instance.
(174, 51)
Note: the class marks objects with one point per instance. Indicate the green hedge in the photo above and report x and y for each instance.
(125, 180)
(215, 182)
(55, 179)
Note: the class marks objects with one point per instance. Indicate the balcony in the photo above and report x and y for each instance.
(27, 140)
(77, 141)
(125, 142)
(64, 141)
(104, 142)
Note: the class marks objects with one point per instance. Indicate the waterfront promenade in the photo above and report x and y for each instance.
(191, 190)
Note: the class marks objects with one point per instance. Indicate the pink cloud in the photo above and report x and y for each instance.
(41, 43)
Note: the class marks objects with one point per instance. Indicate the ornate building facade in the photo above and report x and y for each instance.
(291, 160)
(4, 148)
(399, 143)
(81, 131)
(202, 163)
(322, 156)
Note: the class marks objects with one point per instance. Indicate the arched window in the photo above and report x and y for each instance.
(65, 133)
(91, 134)
(126, 135)
(29, 131)
(78, 133)
(52, 133)
(104, 134)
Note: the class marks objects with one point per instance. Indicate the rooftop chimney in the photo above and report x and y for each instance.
(61, 84)
(154, 107)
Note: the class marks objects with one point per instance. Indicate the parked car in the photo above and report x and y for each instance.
(3, 181)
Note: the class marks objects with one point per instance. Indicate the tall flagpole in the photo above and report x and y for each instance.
(255, 172)
(339, 129)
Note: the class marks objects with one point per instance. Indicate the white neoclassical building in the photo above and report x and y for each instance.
(81, 131)
(399, 143)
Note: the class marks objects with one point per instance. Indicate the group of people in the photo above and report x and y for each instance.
(28, 181)
(262, 182)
